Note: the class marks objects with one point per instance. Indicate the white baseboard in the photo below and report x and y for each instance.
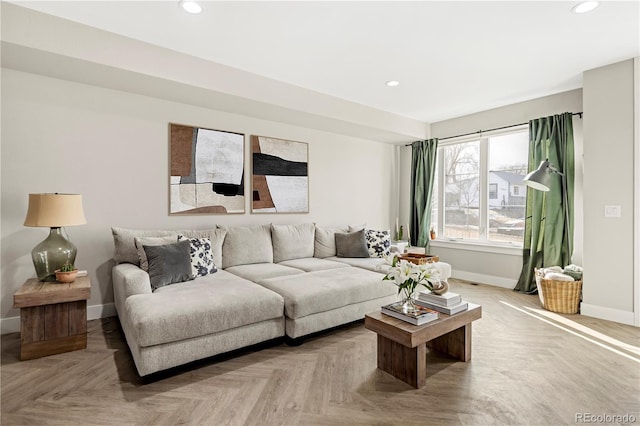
(101, 311)
(12, 324)
(484, 279)
(9, 325)
(609, 314)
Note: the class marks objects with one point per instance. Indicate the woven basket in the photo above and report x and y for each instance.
(559, 296)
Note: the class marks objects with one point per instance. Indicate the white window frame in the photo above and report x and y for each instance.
(483, 243)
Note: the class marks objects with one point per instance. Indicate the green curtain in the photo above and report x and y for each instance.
(548, 232)
(423, 167)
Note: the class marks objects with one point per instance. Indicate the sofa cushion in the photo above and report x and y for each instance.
(259, 271)
(292, 241)
(201, 256)
(206, 305)
(311, 264)
(351, 244)
(169, 264)
(216, 236)
(125, 246)
(377, 264)
(378, 242)
(325, 240)
(244, 245)
(325, 290)
(150, 241)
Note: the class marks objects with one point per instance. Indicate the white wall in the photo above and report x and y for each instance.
(503, 268)
(608, 180)
(112, 147)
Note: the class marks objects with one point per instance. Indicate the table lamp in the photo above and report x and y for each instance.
(54, 211)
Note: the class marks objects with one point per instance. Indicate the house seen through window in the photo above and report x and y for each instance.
(483, 196)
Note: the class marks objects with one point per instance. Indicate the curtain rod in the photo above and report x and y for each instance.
(491, 130)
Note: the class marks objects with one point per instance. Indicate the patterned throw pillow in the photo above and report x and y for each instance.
(378, 242)
(201, 256)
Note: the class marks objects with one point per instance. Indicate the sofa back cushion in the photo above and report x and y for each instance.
(125, 246)
(216, 236)
(245, 245)
(292, 241)
(325, 240)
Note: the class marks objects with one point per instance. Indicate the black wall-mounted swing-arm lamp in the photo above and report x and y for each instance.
(540, 178)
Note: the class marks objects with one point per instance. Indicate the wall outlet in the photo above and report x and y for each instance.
(612, 211)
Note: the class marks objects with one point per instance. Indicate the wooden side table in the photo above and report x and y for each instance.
(53, 316)
(402, 347)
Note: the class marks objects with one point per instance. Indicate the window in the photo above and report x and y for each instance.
(493, 191)
(462, 192)
(483, 198)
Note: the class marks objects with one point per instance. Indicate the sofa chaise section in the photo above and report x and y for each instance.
(192, 320)
(182, 323)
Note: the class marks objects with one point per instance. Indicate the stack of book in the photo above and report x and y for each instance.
(449, 303)
(419, 316)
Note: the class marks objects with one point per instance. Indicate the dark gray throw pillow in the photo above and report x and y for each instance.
(169, 263)
(352, 244)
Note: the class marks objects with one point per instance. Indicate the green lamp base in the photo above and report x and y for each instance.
(52, 253)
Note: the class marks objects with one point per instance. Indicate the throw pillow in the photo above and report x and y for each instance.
(216, 236)
(351, 244)
(201, 256)
(150, 241)
(169, 264)
(378, 242)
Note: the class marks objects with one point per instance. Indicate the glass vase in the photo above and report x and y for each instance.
(52, 253)
(408, 301)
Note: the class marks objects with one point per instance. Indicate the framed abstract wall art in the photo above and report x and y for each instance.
(207, 171)
(280, 177)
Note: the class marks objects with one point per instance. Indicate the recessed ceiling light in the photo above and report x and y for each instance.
(584, 6)
(191, 6)
(392, 83)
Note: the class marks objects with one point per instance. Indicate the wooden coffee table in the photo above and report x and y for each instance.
(402, 347)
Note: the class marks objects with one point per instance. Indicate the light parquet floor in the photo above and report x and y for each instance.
(528, 367)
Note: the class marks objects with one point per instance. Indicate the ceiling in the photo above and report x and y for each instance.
(451, 58)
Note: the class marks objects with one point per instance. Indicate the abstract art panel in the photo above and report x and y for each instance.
(280, 178)
(207, 171)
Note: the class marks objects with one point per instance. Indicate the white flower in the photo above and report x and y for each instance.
(408, 276)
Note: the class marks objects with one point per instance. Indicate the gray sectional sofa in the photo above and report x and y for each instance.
(271, 281)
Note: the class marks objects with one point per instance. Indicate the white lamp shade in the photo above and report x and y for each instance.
(540, 178)
(55, 210)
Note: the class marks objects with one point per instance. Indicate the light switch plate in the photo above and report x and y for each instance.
(612, 211)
